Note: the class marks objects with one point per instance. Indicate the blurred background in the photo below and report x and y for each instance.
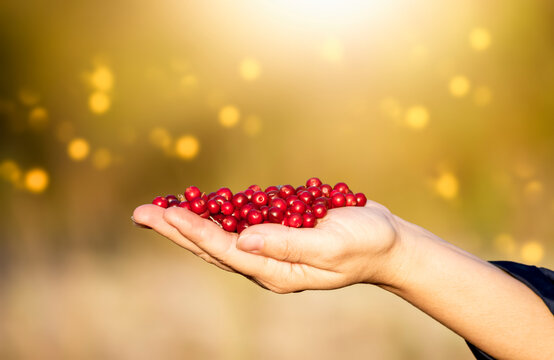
(442, 111)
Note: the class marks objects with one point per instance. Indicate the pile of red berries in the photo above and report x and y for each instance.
(286, 205)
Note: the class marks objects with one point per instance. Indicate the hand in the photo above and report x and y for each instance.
(350, 245)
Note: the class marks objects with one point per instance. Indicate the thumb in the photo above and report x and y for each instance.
(282, 242)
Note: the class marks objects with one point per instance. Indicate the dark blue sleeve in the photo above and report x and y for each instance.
(538, 279)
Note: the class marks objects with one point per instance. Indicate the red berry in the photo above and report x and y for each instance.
(243, 224)
(218, 218)
(319, 210)
(192, 192)
(298, 206)
(227, 208)
(271, 188)
(308, 220)
(184, 204)
(350, 200)
(218, 198)
(313, 182)
(255, 188)
(173, 202)
(265, 211)
(322, 200)
(248, 193)
(315, 191)
(342, 187)
(338, 200)
(260, 198)
(306, 197)
(236, 214)
(213, 206)
(280, 203)
(229, 223)
(170, 197)
(290, 199)
(226, 193)
(161, 201)
(275, 214)
(254, 217)
(295, 220)
(239, 200)
(212, 195)
(286, 190)
(198, 206)
(205, 214)
(245, 209)
(299, 189)
(361, 200)
(326, 190)
(272, 194)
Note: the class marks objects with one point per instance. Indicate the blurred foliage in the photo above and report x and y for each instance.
(442, 111)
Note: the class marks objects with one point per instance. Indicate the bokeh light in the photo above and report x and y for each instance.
(532, 252)
(229, 116)
(447, 185)
(38, 118)
(102, 78)
(10, 171)
(417, 117)
(36, 180)
(101, 158)
(505, 244)
(28, 97)
(459, 86)
(160, 137)
(480, 39)
(249, 69)
(78, 149)
(99, 102)
(332, 50)
(187, 147)
(252, 125)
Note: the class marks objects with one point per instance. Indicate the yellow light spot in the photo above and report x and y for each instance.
(187, 147)
(332, 50)
(102, 158)
(533, 188)
(189, 81)
(160, 137)
(249, 69)
(505, 243)
(479, 39)
(459, 86)
(252, 125)
(38, 118)
(36, 180)
(78, 149)
(482, 96)
(523, 169)
(10, 171)
(447, 185)
(102, 78)
(229, 116)
(390, 107)
(417, 117)
(28, 97)
(532, 252)
(99, 102)
(65, 131)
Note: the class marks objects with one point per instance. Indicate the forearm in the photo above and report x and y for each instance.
(480, 302)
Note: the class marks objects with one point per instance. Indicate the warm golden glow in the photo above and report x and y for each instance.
(65, 131)
(36, 180)
(391, 108)
(38, 117)
(99, 102)
(10, 171)
(532, 252)
(480, 39)
(101, 158)
(229, 116)
(332, 50)
(447, 185)
(482, 96)
(252, 125)
(533, 188)
(102, 78)
(459, 86)
(249, 69)
(505, 244)
(28, 97)
(189, 81)
(187, 147)
(160, 137)
(78, 149)
(417, 117)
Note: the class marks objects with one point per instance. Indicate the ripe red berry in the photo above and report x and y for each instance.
(184, 204)
(198, 206)
(192, 192)
(299, 189)
(229, 223)
(254, 217)
(308, 220)
(306, 197)
(280, 203)
(290, 199)
(218, 218)
(239, 200)
(265, 211)
(226, 193)
(170, 197)
(242, 225)
(260, 198)
(173, 202)
(227, 208)
(338, 200)
(255, 188)
(218, 198)
(286, 190)
(319, 210)
(271, 188)
(236, 214)
(361, 200)
(213, 206)
(350, 200)
(275, 215)
(298, 206)
(272, 194)
(205, 214)
(322, 200)
(313, 182)
(248, 193)
(295, 220)
(326, 190)
(315, 191)
(160, 201)
(342, 187)
(245, 209)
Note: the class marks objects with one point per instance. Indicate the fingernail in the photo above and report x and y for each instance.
(250, 243)
(139, 225)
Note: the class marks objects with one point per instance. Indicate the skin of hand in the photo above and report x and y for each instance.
(350, 245)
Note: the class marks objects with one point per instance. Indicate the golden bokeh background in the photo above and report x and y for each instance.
(442, 111)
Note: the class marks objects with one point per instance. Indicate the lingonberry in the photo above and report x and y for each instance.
(255, 188)
(218, 198)
(184, 204)
(326, 190)
(205, 214)
(308, 220)
(161, 201)
(272, 194)
(286, 190)
(254, 217)
(239, 200)
(350, 200)
(319, 210)
(245, 209)
(192, 192)
(236, 214)
(229, 223)
(226, 193)
(338, 200)
(313, 182)
(227, 208)
(198, 205)
(322, 200)
(271, 188)
(275, 214)
(280, 203)
(295, 220)
(213, 206)
(290, 199)
(361, 200)
(298, 206)
(242, 225)
(173, 202)
(315, 191)
(265, 211)
(170, 197)
(211, 195)
(248, 193)
(260, 198)
(342, 187)
(306, 197)
(218, 218)
(300, 189)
